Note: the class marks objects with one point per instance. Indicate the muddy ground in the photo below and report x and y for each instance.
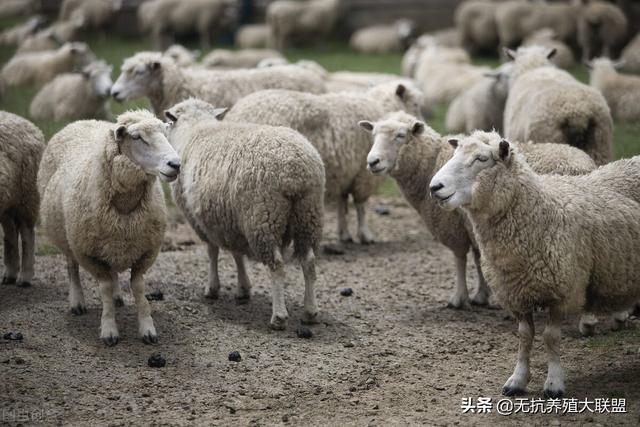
(391, 354)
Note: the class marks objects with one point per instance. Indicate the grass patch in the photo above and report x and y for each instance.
(629, 336)
(46, 249)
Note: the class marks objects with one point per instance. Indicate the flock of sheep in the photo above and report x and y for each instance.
(253, 145)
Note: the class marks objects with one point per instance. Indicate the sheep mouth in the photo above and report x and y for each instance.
(444, 199)
(377, 171)
(168, 177)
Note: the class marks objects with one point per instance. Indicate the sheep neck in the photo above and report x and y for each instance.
(171, 89)
(126, 184)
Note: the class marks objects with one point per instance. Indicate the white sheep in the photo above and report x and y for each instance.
(15, 35)
(292, 21)
(13, 8)
(475, 20)
(21, 147)
(40, 67)
(253, 36)
(482, 105)
(54, 36)
(158, 78)
(75, 96)
(546, 104)
(382, 38)
(252, 190)
(427, 42)
(98, 14)
(564, 243)
(563, 58)
(328, 122)
(103, 207)
(602, 28)
(621, 91)
(244, 58)
(182, 56)
(631, 55)
(411, 153)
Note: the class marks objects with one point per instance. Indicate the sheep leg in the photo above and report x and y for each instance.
(483, 292)
(554, 385)
(343, 228)
(11, 251)
(244, 284)
(108, 328)
(517, 382)
(146, 328)
(279, 308)
(460, 299)
(310, 314)
(118, 300)
(620, 320)
(28, 254)
(364, 234)
(212, 289)
(587, 325)
(76, 296)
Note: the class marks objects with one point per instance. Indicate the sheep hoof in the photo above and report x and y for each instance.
(310, 318)
(480, 300)
(8, 280)
(211, 294)
(513, 391)
(367, 239)
(118, 301)
(278, 322)
(78, 310)
(150, 338)
(346, 239)
(458, 303)
(243, 298)
(587, 329)
(553, 394)
(111, 340)
(24, 284)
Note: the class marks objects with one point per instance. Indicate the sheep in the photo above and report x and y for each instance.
(21, 147)
(291, 21)
(563, 58)
(182, 56)
(15, 35)
(622, 92)
(75, 96)
(426, 42)
(166, 17)
(602, 28)
(546, 240)
(447, 37)
(245, 58)
(103, 207)
(411, 153)
(97, 13)
(252, 190)
(631, 55)
(383, 38)
(40, 67)
(253, 36)
(475, 20)
(165, 84)
(482, 105)
(13, 8)
(54, 36)
(546, 104)
(328, 122)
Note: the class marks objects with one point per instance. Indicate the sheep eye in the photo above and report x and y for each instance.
(482, 158)
(401, 136)
(136, 137)
(139, 72)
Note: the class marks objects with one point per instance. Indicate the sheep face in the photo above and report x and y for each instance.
(194, 109)
(99, 74)
(145, 144)
(476, 160)
(389, 136)
(139, 77)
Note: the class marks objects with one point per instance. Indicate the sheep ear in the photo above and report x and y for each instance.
(120, 133)
(155, 65)
(551, 52)
(219, 113)
(511, 54)
(366, 125)
(417, 128)
(401, 90)
(169, 115)
(503, 149)
(453, 142)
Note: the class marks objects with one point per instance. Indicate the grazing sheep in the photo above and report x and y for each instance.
(245, 58)
(292, 21)
(75, 96)
(15, 35)
(631, 55)
(482, 105)
(447, 37)
(98, 14)
(53, 37)
(622, 92)
(182, 56)
(411, 153)
(40, 67)
(21, 146)
(426, 42)
(103, 207)
(546, 240)
(253, 36)
(328, 122)
(546, 37)
(165, 84)
(383, 38)
(13, 8)
(252, 190)
(602, 28)
(546, 104)
(476, 22)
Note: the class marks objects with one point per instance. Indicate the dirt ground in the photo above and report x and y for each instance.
(391, 354)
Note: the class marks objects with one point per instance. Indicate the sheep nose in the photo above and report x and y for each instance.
(174, 165)
(114, 93)
(434, 188)
(373, 162)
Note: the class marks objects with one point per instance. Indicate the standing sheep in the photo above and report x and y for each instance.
(602, 28)
(244, 58)
(428, 43)
(75, 96)
(158, 78)
(622, 92)
(21, 147)
(15, 35)
(546, 37)
(546, 240)
(97, 13)
(546, 104)
(328, 122)
(411, 153)
(252, 190)
(103, 207)
(290, 21)
(383, 38)
(477, 25)
(631, 55)
(54, 36)
(253, 36)
(40, 67)
(182, 56)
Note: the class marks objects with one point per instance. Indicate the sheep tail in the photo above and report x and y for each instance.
(306, 223)
(579, 134)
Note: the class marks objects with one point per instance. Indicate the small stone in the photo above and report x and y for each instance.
(303, 332)
(348, 344)
(383, 210)
(234, 356)
(285, 418)
(19, 360)
(156, 361)
(156, 295)
(346, 292)
(13, 336)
